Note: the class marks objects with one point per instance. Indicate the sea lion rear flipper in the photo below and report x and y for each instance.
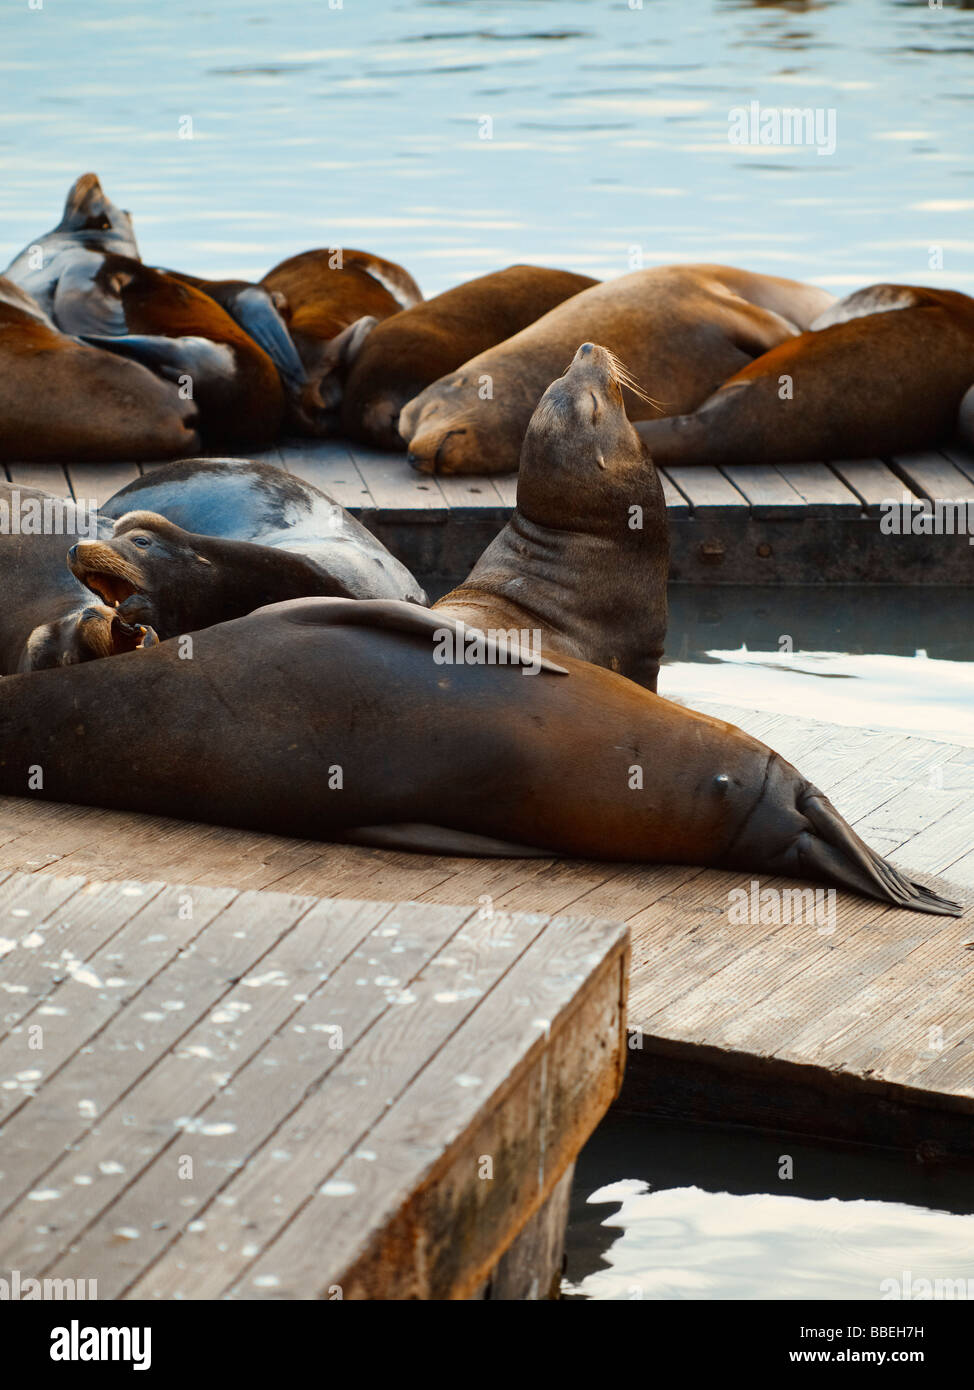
(439, 839)
(257, 314)
(423, 622)
(171, 358)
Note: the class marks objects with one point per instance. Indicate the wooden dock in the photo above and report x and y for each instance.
(749, 524)
(210, 1092)
(865, 1033)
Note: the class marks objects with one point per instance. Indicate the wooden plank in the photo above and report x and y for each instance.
(328, 465)
(444, 960)
(506, 484)
(933, 476)
(676, 503)
(962, 458)
(823, 493)
(872, 481)
(97, 482)
(470, 493)
(49, 477)
(398, 490)
(414, 1191)
(709, 493)
(768, 491)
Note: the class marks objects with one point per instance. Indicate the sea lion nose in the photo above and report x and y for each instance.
(585, 349)
(73, 553)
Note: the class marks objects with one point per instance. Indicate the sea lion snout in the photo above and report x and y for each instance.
(100, 567)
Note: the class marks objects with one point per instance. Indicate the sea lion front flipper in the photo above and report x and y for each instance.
(424, 622)
(171, 358)
(420, 838)
(257, 314)
(83, 305)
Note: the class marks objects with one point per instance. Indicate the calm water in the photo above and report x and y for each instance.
(361, 126)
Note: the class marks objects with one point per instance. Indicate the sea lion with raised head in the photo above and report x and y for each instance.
(681, 331)
(64, 401)
(404, 354)
(254, 729)
(244, 500)
(47, 617)
(580, 569)
(331, 299)
(124, 307)
(882, 372)
(91, 223)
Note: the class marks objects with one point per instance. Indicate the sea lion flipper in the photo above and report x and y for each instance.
(171, 358)
(82, 305)
(498, 650)
(257, 314)
(439, 839)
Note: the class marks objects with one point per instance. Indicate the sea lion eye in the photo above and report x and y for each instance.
(141, 540)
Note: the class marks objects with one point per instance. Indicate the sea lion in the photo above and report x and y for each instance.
(155, 573)
(243, 500)
(47, 617)
(65, 401)
(331, 300)
(581, 565)
(260, 313)
(332, 718)
(404, 354)
(120, 305)
(91, 223)
(882, 372)
(681, 330)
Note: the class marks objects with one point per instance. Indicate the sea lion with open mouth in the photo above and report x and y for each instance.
(402, 355)
(681, 330)
(582, 564)
(48, 617)
(335, 719)
(245, 500)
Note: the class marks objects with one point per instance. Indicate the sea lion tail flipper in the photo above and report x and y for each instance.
(420, 838)
(836, 852)
(257, 314)
(171, 358)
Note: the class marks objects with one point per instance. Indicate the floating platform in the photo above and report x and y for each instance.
(212, 1092)
(863, 1033)
(797, 523)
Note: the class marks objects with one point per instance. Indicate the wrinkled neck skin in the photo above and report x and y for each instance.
(239, 577)
(584, 595)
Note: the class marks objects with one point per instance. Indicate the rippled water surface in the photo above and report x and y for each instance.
(361, 126)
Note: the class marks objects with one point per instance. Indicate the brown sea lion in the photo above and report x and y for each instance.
(404, 354)
(245, 500)
(120, 305)
(261, 313)
(681, 331)
(155, 573)
(882, 372)
(331, 718)
(65, 401)
(90, 223)
(580, 569)
(47, 618)
(331, 299)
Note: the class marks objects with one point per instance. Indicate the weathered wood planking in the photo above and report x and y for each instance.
(231, 1081)
(740, 524)
(729, 1014)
